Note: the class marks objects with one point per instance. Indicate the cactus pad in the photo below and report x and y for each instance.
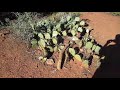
(88, 45)
(78, 57)
(47, 36)
(97, 49)
(82, 23)
(64, 33)
(55, 33)
(54, 40)
(41, 35)
(72, 51)
(80, 29)
(85, 64)
(77, 19)
(41, 43)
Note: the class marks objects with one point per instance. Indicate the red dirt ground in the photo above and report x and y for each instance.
(17, 62)
(105, 25)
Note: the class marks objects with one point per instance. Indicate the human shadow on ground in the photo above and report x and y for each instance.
(110, 65)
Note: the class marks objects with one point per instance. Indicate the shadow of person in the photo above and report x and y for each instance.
(110, 66)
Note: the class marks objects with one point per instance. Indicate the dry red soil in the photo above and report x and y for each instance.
(105, 25)
(17, 62)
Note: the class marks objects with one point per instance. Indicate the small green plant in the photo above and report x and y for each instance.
(115, 13)
(24, 24)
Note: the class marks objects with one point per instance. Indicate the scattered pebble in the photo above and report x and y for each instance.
(50, 61)
(81, 50)
(54, 71)
(40, 58)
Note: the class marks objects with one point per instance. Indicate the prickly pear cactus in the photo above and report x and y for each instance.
(54, 33)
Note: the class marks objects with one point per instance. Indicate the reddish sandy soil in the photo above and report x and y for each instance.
(16, 61)
(105, 25)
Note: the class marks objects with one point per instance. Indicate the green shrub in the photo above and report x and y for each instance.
(115, 13)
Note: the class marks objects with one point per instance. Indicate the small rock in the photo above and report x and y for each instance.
(81, 50)
(5, 31)
(54, 71)
(89, 51)
(2, 35)
(40, 57)
(50, 61)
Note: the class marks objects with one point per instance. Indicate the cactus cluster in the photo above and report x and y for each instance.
(49, 36)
